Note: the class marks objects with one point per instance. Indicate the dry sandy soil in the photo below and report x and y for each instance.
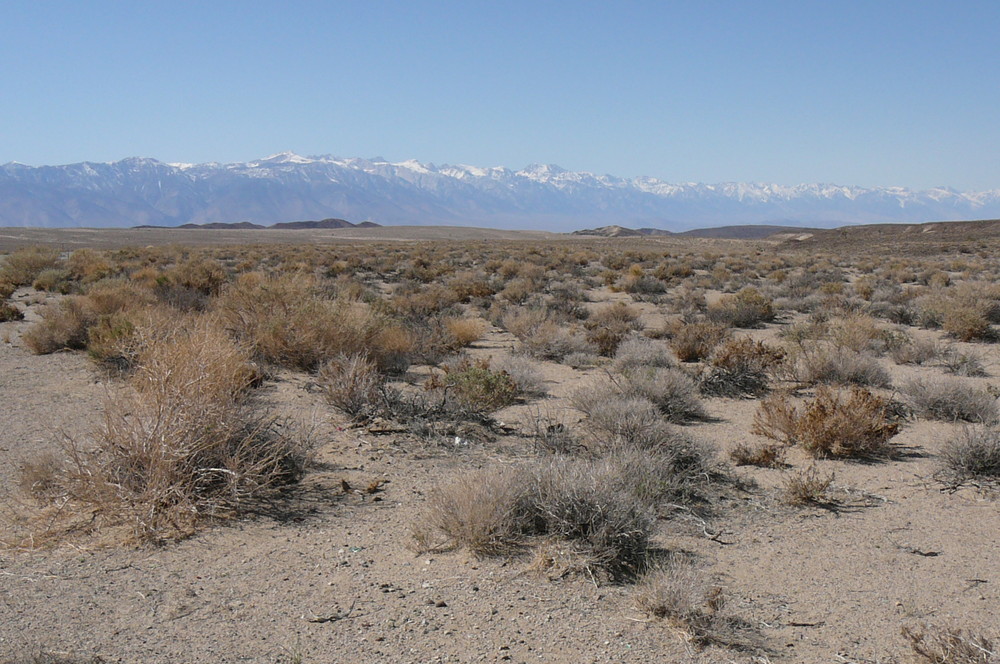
(329, 576)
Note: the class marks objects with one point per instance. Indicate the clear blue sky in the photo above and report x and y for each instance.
(850, 92)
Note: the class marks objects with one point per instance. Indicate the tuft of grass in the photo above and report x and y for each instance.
(807, 487)
(638, 352)
(950, 645)
(686, 598)
(760, 455)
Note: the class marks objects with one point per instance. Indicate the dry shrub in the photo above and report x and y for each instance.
(949, 399)
(608, 327)
(673, 392)
(603, 505)
(110, 296)
(465, 330)
(203, 275)
(9, 312)
(6, 289)
(54, 280)
(63, 326)
(353, 384)
(288, 322)
(747, 308)
(962, 363)
(88, 266)
(860, 333)
(612, 415)
(830, 425)
(807, 487)
(579, 500)
(684, 596)
(966, 323)
(542, 334)
(21, 268)
(524, 373)
(950, 645)
(917, 351)
(695, 341)
(484, 512)
(837, 366)
(740, 368)
(974, 454)
(638, 352)
(67, 324)
(762, 455)
(179, 443)
(474, 385)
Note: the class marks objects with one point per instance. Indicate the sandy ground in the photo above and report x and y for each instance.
(333, 578)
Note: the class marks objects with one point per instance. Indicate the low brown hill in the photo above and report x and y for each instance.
(894, 239)
(745, 232)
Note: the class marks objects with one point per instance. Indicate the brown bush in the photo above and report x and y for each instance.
(686, 598)
(966, 323)
(63, 326)
(179, 444)
(465, 330)
(22, 267)
(747, 308)
(9, 312)
(807, 487)
(693, 342)
(740, 368)
(608, 327)
(830, 425)
(353, 384)
(88, 266)
(761, 455)
(286, 321)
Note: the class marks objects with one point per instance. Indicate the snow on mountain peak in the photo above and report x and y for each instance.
(287, 157)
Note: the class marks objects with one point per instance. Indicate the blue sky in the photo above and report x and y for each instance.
(848, 92)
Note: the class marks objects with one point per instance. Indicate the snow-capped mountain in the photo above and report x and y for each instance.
(288, 187)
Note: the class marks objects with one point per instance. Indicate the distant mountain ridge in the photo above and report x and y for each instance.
(138, 191)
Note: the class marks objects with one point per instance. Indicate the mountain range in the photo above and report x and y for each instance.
(287, 187)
